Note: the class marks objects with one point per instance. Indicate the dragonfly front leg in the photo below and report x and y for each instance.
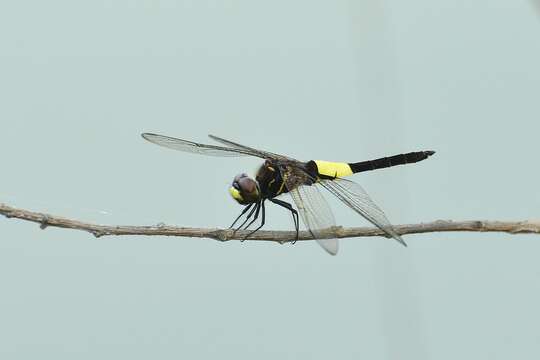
(246, 208)
(254, 209)
(255, 217)
(263, 218)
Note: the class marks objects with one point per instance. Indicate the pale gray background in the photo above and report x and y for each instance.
(334, 80)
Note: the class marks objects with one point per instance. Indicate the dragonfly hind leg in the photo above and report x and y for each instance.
(294, 213)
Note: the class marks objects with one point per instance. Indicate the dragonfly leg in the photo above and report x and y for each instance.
(246, 208)
(246, 220)
(255, 217)
(263, 218)
(294, 213)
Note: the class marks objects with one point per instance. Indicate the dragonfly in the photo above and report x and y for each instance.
(281, 174)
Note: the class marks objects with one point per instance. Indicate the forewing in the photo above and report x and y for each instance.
(354, 196)
(260, 153)
(196, 148)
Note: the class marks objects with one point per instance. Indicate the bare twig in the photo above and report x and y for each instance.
(46, 220)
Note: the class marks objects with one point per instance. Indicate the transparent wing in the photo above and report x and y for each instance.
(312, 206)
(316, 214)
(354, 196)
(196, 148)
(261, 153)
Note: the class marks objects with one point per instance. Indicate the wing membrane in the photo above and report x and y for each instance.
(354, 196)
(197, 148)
(312, 206)
(261, 153)
(316, 214)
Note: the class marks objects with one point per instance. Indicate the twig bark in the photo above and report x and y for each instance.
(46, 220)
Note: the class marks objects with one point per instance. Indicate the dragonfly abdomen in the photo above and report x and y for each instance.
(329, 169)
(390, 161)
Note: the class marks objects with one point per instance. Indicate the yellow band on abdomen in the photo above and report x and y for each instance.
(333, 169)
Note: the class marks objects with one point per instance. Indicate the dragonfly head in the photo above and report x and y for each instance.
(245, 190)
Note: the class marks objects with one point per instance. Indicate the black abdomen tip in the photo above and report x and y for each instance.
(429, 153)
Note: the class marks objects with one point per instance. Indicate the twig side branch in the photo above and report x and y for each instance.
(46, 220)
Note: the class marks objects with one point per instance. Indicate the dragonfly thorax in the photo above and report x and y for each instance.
(245, 190)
